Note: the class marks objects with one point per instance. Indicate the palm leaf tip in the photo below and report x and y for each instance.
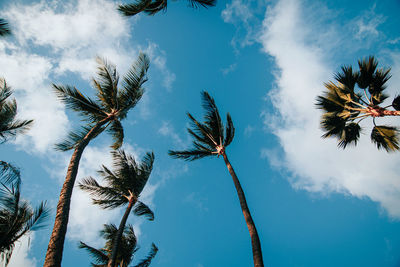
(146, 261)
(202, 3)
(4, 28)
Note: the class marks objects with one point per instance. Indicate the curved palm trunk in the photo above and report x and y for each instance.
(255, 241)
(56, 243)
(118, 238)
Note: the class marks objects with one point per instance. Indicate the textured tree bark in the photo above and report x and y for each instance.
(118, 238)
(255, 240)
(56, 244)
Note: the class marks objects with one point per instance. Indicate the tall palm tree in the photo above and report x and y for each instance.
(125, 255)
(9, 126)
(211, 139)
(123, 187)
(106, 112)
(4, 28)
(358, 95)
(151, 7)
(17, 217)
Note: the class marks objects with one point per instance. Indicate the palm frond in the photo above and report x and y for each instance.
(350, 135)
(347, 77)
(332, 125)
(189, 155)
(203, 132)
(380, 77)
(117, 132)
(80, 103)
(367, 68)
(396, 103)
(212, 118)
(4, 28)
(75, 137)
(9, 173)
(146, 262)
(141, 209)
(229, 130)
(98, 256)
(9, 125)
(202, 3)
(385, 137)
(149, 7)
(132, 83)
(106, 84)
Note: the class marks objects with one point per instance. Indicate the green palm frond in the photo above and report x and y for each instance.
(117, 132)
(229, 130)
(9, 125)
(332, 125)
(212, 119)
(151, 7)
(367, 69)
(80, 103)
(347, 77)
(189, 155)
(9, 173)
(396, 103)
(106, 84)
(75, 137)
(97, 255)
(132, 83)
(385, 137)
(201, 132)
(146, 262)
(380, 77)
(141, 209)
(4, 28)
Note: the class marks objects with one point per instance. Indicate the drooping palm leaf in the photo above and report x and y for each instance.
(151, 7)
(8, 173)
(385, 137)
(75, 137)
(146, 262)
(141, 209)
(107, 84)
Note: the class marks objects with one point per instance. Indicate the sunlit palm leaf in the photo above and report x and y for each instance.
(385, 137)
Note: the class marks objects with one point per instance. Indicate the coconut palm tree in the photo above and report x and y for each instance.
(9, 126)
(106, 112)
(125, 255)
(4, 28)
(211, 139)
(355, 96)
(17, 217)
(151, 7)
(123, 187)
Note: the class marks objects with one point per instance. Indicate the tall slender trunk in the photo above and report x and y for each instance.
(255, 240)
(56, 243)
(118, 237)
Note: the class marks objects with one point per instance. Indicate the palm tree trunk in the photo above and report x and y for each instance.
(255, 240)
(118, 237)
(56, 243)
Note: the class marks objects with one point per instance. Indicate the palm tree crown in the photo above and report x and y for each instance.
(211, 137)
(356, 96)
(17, 217)
(125, 182)
(151, 7)
(126, 252)
(9, 126)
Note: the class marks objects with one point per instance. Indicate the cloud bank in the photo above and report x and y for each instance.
(303, 51)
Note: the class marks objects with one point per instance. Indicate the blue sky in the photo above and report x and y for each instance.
(262, 61)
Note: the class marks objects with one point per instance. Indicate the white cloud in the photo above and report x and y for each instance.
(315, 164)
(366, 25)
(20, 257)
(168, 130)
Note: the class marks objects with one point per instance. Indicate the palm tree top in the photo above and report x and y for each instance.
(9, 125)
(357, 95)
(126, 181)
(210, 137)
(112, 101)
(151, 7)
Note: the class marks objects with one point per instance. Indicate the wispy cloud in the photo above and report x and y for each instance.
(366, 25)
(20, 256)
(303, 65)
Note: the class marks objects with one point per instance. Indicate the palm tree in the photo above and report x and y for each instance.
(151, 7)
(4, 28)
(106, 112)
(102, 256)
(9, 126)
(211, 139)
(17, 217)
(123, 187)
(356, 96)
